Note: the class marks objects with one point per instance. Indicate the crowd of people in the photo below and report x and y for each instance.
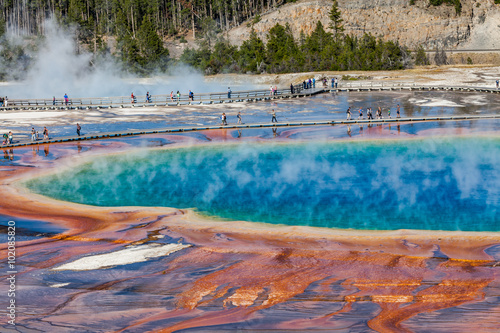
(4, 101)
(35, 135)
(369, 113)
(8, 138)
(306, 84)
(173, 97)
(311, 83)
(273, 91)
(223, 118)
(177, 96)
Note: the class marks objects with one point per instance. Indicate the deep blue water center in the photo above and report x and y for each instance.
(434, 184)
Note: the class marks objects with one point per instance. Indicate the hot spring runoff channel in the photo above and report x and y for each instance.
(433, 184)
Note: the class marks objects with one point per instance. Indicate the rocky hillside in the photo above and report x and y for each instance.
(477, 27)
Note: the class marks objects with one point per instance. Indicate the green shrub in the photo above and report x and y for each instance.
(456, 3)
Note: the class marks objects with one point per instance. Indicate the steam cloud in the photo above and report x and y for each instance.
(58, 69)
(444, 184)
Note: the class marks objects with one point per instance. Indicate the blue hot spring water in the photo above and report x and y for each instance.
(432, 184)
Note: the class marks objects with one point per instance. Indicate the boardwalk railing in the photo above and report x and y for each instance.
(407, 85)
(208, 98)
(107, 135)
(240, 96)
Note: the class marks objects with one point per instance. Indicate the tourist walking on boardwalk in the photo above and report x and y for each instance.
(498, 82)
(45, 133)
(148, 97)
(66, 99)
(11, 137)
(191, 95)
(360, 114)
(239, 118)
(348, 112)
(397, 112)
(273, 119)
(229, 92)
(223, 119)
(333, 82)
(292, 89)
(132, 98)
(53, 100)
(172, 96)
(33, 134)
(78, 129)
(314, 82)
(178, 96)
(6, 101)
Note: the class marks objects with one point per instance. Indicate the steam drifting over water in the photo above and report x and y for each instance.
(436, 184)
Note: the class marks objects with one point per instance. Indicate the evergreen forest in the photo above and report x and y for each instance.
(139, 29)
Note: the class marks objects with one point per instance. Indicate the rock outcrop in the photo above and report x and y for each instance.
(477, 27)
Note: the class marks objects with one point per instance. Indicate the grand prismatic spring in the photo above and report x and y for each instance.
(382, 227)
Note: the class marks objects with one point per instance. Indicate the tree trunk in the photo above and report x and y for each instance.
(174, 21)
(225, 13)
(179, 14)
(132, 19)
(220, 17)
(192, 21)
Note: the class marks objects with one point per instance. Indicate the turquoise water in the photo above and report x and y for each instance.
(434, 184)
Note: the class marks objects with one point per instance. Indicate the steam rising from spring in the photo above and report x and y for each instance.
(61, 66)
(443, 184)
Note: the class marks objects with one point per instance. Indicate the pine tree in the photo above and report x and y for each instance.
(3, 27)
(314, 47)
(199, 59)
(336, 19)
(421, 58)
(252, 53)
(440, 57)
(209, 30)
(223, 57)
(150, 45)
(281, 50)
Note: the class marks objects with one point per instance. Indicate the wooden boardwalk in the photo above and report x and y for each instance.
(157, 101)
(237, 96)
(415, 88)
(108, 135)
